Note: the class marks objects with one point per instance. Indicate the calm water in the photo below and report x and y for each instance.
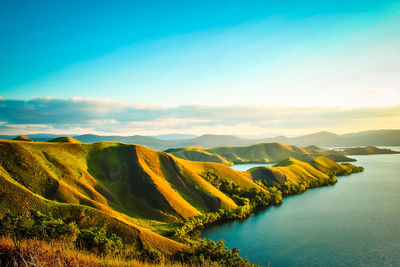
(353, 223)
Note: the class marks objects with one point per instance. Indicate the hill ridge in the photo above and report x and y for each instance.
(259, 153)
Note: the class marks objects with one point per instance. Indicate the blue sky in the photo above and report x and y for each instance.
(162, 55)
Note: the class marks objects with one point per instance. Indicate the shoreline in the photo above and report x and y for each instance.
(253, 211)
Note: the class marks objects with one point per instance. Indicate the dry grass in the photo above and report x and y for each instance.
(136, 192)
(38, 253)
(295, 171)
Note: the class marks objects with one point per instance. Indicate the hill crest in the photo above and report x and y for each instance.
(65, 139)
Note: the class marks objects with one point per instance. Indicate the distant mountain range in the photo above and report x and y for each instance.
(174, 136)
(163, 142)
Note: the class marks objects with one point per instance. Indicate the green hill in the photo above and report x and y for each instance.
(22, 138)
(290, 171)
(260, 153)
(150, 199)
(293, 176)
(137, 192)
(198, 154)
(65, 139)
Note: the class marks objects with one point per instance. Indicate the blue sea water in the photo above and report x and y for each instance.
(355, 222)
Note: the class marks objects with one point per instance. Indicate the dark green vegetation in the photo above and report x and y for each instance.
(118, 197)
(374, 138)
(369, 150)
(260, 153)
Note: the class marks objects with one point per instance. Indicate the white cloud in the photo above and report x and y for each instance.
(76, 116)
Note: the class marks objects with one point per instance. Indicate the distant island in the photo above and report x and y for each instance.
(369, 150)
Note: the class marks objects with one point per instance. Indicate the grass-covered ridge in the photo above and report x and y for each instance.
(65, 139)
(22, 138)
(138, 192)
(294, 176)
(150, 199)
(260, 153)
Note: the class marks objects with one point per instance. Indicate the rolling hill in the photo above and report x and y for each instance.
(22, 138)
(65, 139)
(317, 171)
(260, 153)
(137, 192)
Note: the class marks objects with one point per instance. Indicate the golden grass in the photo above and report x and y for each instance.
(294, 170)
(136, 190)
(324, 164)
(42, 253)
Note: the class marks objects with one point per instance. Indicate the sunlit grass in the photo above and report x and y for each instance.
(35, 252)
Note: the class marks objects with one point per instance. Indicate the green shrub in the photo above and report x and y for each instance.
(151, 255)
(99, 241)
(34, 224)
(218, 252)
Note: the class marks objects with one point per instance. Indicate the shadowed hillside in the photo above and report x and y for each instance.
(260, 153)
(22, 138)
(132, 190)
(148, 198)
(65, 139)
(198, 154)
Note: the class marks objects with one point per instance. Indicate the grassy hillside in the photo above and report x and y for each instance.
(290, 171)
(198, 154)
(260, 153)
(148, 198)
(139, 193)
(65, 139)
(22, 138)
(293, 176)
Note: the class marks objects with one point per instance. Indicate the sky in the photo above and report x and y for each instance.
(198, 67)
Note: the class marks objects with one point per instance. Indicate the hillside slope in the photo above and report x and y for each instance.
(136, 191)
(198, 154)
(260, 153)
(292, 175)
(65, 139)
(22, 138)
